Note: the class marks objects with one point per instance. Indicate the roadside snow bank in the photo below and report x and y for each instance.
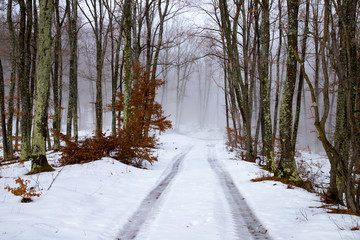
(287, 213)
(89, 201)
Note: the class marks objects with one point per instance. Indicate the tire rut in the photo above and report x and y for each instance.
(240, 210)
(150, 203)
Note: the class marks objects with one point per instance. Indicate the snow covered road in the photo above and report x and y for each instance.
(150, 203)
(198, 202)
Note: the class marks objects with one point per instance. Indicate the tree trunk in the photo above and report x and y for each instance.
(2, 113)
(33, 54)
(277, 92)
(127, 63)
(287, 166)
(344, 70)
(39, 162)
(265, 86)
(115, 80)
(96, 16)
(115, 57)
(348, 21)
(99, 70)
(12, 80)
(56, 77)
(240, 86)
(73, 90)
(17, 122)
(301, 78)
(26, 107)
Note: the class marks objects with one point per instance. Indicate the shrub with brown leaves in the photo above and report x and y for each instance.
(23, 190)
(133, 145)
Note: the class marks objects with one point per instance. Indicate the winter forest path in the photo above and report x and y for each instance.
(196, 199)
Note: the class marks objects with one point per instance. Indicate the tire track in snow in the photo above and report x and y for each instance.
(150, 203)
(242, 215)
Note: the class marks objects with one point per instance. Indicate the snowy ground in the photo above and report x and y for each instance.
(99, 200)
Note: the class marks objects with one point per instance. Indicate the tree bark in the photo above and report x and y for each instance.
(287, 166)
(24, 62)
(39, 162)
(127, 63)
(278, 74)
(98, 22)
(2, 113)
(265, 86)
(73, 89)
(301, 78)
(240, 86)
(57, 72)
(12, 80)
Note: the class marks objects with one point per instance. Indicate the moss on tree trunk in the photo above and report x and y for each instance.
(38, 159)
(128, 63)
(39, 163)
(287, 166)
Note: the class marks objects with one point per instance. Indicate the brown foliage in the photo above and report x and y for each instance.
(84, 151)
(301, 184)
(336, 210)
(132, 145)
(23, 190)
(146, 114)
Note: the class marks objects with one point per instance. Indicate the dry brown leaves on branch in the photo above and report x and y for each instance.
(133, 145)
(23, 190)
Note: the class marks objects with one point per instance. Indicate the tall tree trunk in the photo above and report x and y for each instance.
(265, 86)
(98, 24)
(97, 19)
(2, 113)
(152, 55)
(350, 63)
(26, 108)
(301, 78)
(17, 122)
(240, 86)
(39, 162)
(287, 166)
(278, 74)
(73, 90)
(115, 80)
(98, 100)
(342, 129)
(56, 77)
(12, 79)
(113, 75)
(33, 54)
(127, 63)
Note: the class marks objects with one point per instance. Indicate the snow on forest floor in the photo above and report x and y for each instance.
(97, 199)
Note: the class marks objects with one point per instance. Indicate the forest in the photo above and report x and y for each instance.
(281, 67)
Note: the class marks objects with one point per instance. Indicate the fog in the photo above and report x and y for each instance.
(202, 107)
(193, 95)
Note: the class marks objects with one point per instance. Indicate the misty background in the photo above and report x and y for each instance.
(193, 95)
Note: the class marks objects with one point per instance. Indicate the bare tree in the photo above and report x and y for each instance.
(57, 71)
(342, 164)
(241, 86)
(96, 18)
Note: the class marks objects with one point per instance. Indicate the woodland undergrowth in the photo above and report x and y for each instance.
(133, 145)
(310, 178)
